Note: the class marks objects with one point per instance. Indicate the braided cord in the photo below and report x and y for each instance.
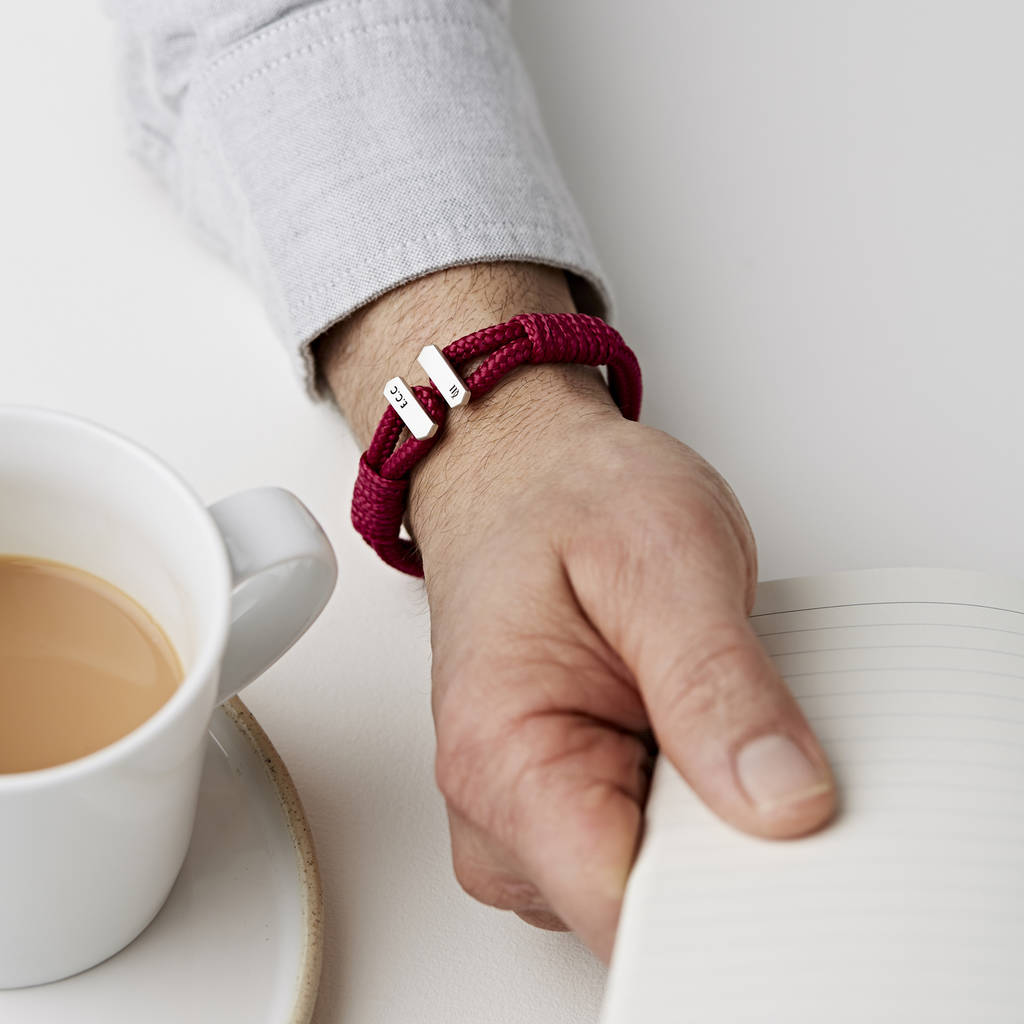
(382, 483)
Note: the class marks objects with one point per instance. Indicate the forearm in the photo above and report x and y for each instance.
(382, 340)
(589, 582)
(335, 150)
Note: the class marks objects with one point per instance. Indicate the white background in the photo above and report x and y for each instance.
(811, 216)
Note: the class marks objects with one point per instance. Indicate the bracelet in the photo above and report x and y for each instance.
(382, 483)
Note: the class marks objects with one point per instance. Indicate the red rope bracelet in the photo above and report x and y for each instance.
(382, 484)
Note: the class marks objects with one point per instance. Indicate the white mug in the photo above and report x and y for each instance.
(89, 849)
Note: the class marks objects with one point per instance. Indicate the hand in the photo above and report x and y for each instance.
(589, 582)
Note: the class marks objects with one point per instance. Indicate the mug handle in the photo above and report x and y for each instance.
(283, 571)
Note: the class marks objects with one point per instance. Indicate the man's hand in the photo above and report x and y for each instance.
(589, 582)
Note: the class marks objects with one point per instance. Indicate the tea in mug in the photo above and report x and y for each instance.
(81, 664)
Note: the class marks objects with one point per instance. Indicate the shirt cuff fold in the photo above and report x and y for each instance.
(361, 145)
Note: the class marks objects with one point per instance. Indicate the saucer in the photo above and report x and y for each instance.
(239, 939)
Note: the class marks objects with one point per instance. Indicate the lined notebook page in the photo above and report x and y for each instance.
(911, 906)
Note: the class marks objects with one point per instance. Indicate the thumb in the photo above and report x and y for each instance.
(725, 719)
(717, 704)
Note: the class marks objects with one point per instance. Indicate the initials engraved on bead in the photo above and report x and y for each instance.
(404, 402)
(446, 380)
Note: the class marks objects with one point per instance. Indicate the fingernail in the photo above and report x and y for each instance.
(775, 772)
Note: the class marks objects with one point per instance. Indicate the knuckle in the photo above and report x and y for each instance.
(544, 919)
(479, 758)
(716, 523)
(599, 761)
(494, 888)
(689, 699)
(464, 730)
(722, 519)
(713, 683)
(453, 769)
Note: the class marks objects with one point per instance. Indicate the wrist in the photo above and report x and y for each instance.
(382, 340)
(495, 450)
(491, 450)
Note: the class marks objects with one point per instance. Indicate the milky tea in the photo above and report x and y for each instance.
(81, 664)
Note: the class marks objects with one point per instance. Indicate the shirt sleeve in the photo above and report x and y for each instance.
(335, 150)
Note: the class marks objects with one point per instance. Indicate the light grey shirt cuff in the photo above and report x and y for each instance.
(340, 150)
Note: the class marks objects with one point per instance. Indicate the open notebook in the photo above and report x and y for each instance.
(911, 906)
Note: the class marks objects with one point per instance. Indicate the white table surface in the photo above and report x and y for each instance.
(812, 215)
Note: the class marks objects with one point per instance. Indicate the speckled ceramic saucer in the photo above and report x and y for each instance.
(239, 939)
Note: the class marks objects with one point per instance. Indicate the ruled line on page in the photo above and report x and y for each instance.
(893, 740)
(942, 839)
(956, 762)
(736, 914)
(971, 694)
(898, 647)
(880, 604)
(826, 885)
(901, 668)
(711, 870)
(891, 785)
(948, 715)
(886, 625)
(897, 810)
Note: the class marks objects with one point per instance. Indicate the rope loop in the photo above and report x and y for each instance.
(382, 483)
